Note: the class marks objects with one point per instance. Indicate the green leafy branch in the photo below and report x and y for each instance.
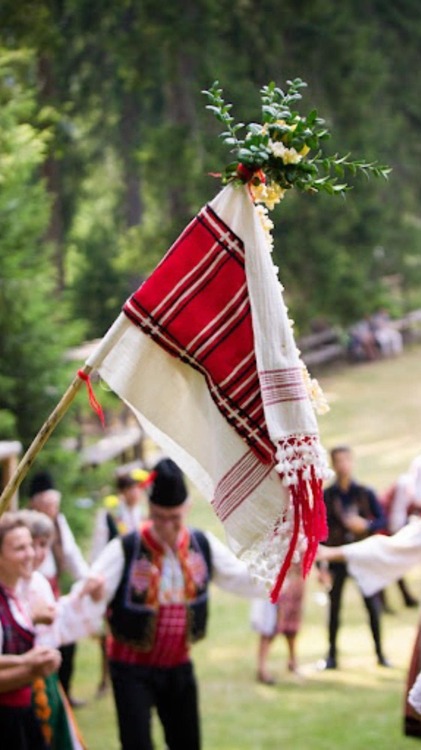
(286, 148)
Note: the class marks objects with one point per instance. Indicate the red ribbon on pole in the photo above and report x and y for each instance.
(95, 405)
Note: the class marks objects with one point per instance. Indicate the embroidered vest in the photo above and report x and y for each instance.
(16, 640)
(116, 526)
(111, 522)
(132, 614)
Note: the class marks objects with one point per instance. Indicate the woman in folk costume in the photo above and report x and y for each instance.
(64, 555)
(283, 618)
(156, 585)
(120, 515)
(58, 622)
(21, 662)
(376, 562)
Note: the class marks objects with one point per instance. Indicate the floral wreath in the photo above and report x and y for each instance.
(284, 150)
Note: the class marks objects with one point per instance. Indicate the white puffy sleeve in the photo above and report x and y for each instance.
(74, 561)
(100, 536)
(230, 573)
(380, 560)
(79, 616)
(109, 565)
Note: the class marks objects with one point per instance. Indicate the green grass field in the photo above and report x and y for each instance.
(376, 408)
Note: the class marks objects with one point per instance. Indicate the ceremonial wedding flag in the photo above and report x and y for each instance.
(208, 363)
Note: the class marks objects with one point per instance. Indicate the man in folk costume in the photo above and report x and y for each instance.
(20, 661)
(353, 512)
(63, 556)
(375, 563)
(156, 585)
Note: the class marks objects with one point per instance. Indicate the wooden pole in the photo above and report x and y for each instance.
(106, 344)
(39, 441)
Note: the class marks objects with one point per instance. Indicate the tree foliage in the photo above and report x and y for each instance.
(31, 332)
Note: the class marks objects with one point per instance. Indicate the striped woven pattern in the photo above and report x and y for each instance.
(196, 306)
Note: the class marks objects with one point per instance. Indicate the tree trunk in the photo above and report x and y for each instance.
(52, 173)
(129, 142)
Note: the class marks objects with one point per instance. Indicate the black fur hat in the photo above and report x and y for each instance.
(169, 489)
(40, 482)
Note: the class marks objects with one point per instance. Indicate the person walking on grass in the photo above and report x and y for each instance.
(156, 594)
(283, 618)
(353, 513)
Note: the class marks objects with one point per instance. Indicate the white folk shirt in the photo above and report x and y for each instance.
(74, 561)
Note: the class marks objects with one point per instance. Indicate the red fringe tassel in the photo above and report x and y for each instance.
(310, 511)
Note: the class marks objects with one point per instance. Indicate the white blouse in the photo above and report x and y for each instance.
(75, 616)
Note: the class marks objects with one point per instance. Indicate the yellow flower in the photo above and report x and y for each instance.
(140, 475)
(258, 192)
(110, 501)
(304, 151)
(267, 224)
(270, 194)
(316, 395)
(291, 156)
(288, 155)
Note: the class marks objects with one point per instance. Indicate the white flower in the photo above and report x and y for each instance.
(288, 155)
(278, 149)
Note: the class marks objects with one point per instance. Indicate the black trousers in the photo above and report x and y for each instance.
(339, 575)
(65, 671)
(172, 691)
(19, 729)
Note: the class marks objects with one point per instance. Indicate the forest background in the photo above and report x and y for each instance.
(106, 149)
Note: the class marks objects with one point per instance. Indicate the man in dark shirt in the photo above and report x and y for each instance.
(353, 512)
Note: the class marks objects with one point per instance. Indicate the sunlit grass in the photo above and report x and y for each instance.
(376, 408)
